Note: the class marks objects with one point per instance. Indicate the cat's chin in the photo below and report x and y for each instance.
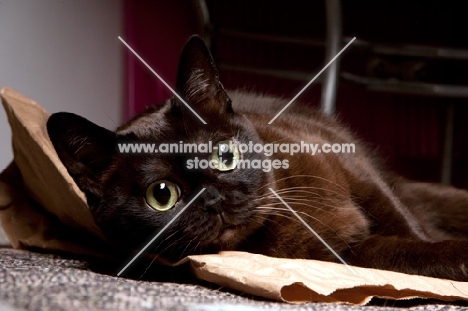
(228, 235)
(226, 238)
(231, 236)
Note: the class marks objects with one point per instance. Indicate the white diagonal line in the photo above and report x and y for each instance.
(161, 79)
(160, 232)
(314, 232)
(310, 82)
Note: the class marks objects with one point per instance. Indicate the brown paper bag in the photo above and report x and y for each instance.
(41, 206)
(45, 178)
(300, 280)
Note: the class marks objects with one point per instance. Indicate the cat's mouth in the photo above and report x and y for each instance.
(227, 233)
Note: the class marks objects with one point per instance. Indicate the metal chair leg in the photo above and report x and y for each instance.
(446, 171)
(333, 44)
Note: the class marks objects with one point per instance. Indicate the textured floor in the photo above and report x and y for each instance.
(34, 281)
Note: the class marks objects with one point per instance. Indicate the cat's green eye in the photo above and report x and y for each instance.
(225, 155)
(162, 195)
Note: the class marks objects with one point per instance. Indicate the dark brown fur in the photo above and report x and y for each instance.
(371, 218)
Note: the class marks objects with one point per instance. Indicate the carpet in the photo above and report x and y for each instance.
(39, 281)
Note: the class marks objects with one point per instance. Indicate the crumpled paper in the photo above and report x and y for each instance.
(41, 206)
(45, 177)
(300, 280)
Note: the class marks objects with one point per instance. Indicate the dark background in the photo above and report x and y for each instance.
(407, 129)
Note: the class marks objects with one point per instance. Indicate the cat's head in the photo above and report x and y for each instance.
(132, 196)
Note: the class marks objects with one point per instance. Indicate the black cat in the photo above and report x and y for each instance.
(368, 216)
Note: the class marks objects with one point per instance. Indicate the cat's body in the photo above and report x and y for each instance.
(369, 217)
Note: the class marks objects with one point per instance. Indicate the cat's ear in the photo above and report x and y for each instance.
(84, 148)
(198, 81)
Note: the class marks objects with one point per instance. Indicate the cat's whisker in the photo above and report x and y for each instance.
(272, 208)
(194, 249)
(150, 264)
(307, 199)
(317, 205)
(294, 219)
(305, 176)
(155, 255)
(298, 190)
(306, 215)
(312, 201)
(186, 247)
(172, 243)
(286, 216)
(170, 236)
(301, 189)
(320, 205)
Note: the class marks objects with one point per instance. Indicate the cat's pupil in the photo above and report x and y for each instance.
(162, 193)
(225, 154)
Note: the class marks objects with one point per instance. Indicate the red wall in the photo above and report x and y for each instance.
(157, 31)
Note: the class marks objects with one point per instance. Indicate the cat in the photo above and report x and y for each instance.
(368, 216)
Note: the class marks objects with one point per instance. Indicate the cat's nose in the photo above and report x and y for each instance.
(212, 198)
